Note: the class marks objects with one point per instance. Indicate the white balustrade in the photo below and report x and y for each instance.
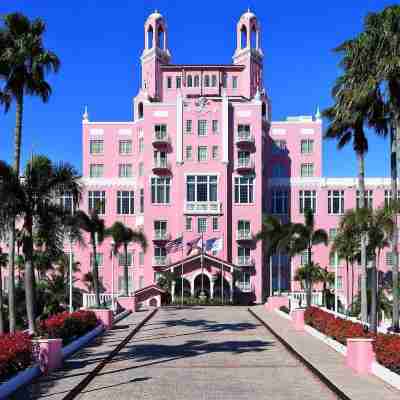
(203, 207)
(89, 299)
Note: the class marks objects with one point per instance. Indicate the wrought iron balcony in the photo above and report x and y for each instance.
(244, 138)
(203, 207)
(245, 261)
(244, 165)
(160, 261)
(244, 234)
(161, 166)
(161, 235)
(160, 139)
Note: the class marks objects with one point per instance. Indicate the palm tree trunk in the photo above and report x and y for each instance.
(1, 302)
(363, 289)
(126, 270)
(394, 140)
(95, 274)
(279, 273)
(29, 278)
(373, 321)
(309, 284)
(352, 286)
(347, 286)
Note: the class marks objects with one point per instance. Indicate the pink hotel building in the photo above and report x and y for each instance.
(202, 157)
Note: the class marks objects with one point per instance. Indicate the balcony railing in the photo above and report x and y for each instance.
(160, 138)
(160, 261)
(243, 235)
(245, 286)
(161, 164)
(245, 261)
(161, 235)
(245, 164)
(203, 207)
(244, 138)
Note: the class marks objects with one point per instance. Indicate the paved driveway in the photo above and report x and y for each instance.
(204, 353)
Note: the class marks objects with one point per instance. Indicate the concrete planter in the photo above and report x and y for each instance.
(50, 354)
(276, 302)
(128, 302)
(298, 319)
(360, 354)
(105, 316)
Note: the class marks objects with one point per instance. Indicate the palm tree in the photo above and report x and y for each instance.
(276, 237)
(24, 63)
(305, 236)
(123, 236)
(94, 226)
(308, 275)
(3, 263)
(31, 199)
(327, 279)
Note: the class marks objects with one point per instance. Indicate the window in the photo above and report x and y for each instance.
(307, 200)
(307, 170)
(188, 126)
(244, 189)
(244, 281)
(160, 190)
(125, 170)
(340, 282)
(160, 159)
(389, 258)
(278, 146)
(121, 259)
(278, 170)
(304, 258)
(141, 258)
(243, 131)
(189, 81)
(141, 210)
(388, 197)
(125, 146)
(160, 131)
(215, 126)
(332, 234)
(201, 188)
(234, 82)
(160, 228)
(125, 202)
(97, 201)
(243, 226)
(65, 199)
(189, 152)
(214, 80)
(121, 283)
(206, 81)
(307, 146)
(279, 201)
(243, 158)
(188, 224)
(178, 82)
(99, 259)
(215, 153)
(243, 255)
(332, 258)
(141, 282)
(169, 82)
(202, 127)
(335, 201)
(96, 170)
(215, 223)
(224, 79)
(141, 169)
(202, 153)
(96, 146)
(368, 198)
(196, 81)
(141, 145)
(201, 224)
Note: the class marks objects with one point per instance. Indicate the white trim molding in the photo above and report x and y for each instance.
(129, 182)
(179, 129)
(225, 129)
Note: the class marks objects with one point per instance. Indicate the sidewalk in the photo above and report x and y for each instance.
(327, 361)
(56, 385)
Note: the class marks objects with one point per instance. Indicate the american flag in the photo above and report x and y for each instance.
(192, 244)
(174, 245)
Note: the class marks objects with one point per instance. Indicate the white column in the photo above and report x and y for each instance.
(231, 285)
(179, 129)
(192, 287)
(225, 127)
(211, 288)
(336, 282)
(173, 291)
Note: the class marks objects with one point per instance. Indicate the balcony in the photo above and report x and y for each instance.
(161, 139)
(203, 207)
(161, 166)
(245, 261)
(243, 235)
(244, 165)
(245, 287)
(161, 236)
(160, 261)
(244, 139)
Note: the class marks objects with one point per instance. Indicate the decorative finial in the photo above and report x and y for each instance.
(257, 96)
(318, 114)
(86, 115)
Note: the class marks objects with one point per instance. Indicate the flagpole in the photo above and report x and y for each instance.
(182, 274)
(222, 274)
(202, 267)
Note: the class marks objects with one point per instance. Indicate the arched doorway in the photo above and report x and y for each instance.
(198, 285)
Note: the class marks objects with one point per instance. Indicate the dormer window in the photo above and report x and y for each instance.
(189, 81)
(196, 81)
(207, 81)
(178, 82)
(214, 81)
(169, 82)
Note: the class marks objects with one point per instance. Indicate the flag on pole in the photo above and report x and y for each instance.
(174, 245)
(192, 244)
(214, 245)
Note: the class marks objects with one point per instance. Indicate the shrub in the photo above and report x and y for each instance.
(16, 354)
(387, 350)
(67, 326)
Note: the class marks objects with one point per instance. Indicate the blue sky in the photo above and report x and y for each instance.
(99, 44)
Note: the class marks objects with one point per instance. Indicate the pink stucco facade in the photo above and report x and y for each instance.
(201, 156)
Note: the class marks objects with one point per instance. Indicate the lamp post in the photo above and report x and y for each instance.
(112, 275)
(71, 308)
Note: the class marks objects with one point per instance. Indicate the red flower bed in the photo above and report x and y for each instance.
(387, 347)
(68, 326)
(16, 354)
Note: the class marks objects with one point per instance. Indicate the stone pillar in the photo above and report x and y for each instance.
(211, 288)
(192, 287)
(50, 354)
(231, 285)
(360, 354)
(173, 291)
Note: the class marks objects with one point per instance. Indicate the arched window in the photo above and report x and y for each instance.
(140, 110)
(243, 37)
(206, 81)
(196, 81)
(161, 37)
(189, 81)
(150, 37)
(253, 37)
(264, 110)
